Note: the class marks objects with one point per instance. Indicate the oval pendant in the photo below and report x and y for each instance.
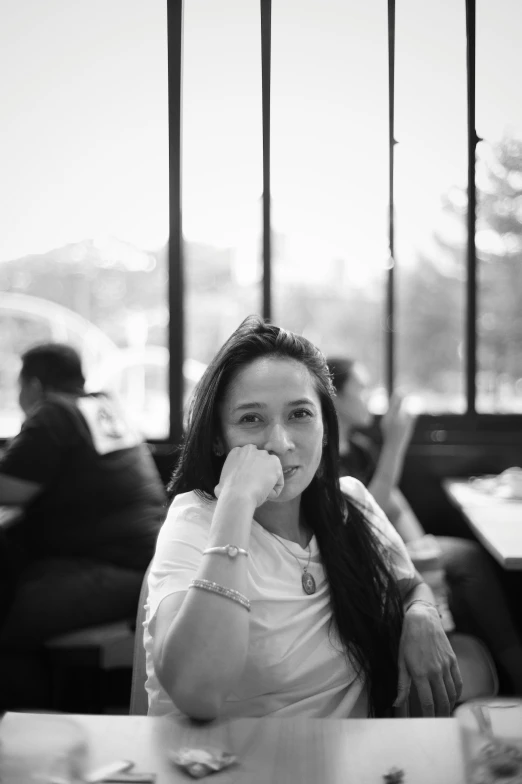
(308, 581)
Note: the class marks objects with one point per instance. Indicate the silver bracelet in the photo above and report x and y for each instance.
(228, 593)
(232, 550)
(421, 601)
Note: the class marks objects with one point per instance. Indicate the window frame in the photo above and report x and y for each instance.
(469, 427)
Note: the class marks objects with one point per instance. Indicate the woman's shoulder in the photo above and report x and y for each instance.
(354, 489)
(192, 500)
(188, 508)
(380, 525)
(356, 492)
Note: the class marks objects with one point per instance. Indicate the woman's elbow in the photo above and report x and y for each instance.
(198, 706)
(196, 700)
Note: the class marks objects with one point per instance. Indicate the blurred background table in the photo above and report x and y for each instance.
(496, 521)
(273, 751)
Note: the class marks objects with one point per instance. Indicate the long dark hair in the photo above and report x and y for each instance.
(366, 606)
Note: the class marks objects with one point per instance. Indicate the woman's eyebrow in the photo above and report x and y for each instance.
(243, 406)
(302, 401)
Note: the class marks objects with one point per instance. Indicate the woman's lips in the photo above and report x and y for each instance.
(289, 472)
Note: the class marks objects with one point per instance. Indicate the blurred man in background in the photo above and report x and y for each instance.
(91, 504)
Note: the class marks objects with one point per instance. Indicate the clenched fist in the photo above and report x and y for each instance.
(252, 472)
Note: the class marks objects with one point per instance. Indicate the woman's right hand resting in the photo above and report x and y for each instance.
(252, 472)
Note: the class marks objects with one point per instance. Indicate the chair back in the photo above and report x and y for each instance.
(479, 674)
(139, 702)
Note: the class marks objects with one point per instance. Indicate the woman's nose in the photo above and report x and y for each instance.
(278, 440)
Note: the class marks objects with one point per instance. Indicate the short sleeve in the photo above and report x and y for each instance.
(401, 563)
(179, 548)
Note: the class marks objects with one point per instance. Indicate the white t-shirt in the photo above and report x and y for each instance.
(295, 665)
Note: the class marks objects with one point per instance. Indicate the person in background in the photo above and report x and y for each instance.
(476, 601)
(275, 590)
(91, 501)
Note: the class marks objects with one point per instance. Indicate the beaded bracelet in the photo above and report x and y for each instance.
(228, 593)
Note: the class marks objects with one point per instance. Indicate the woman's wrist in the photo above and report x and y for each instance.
(237, 498)
(232, 519)
(420, 604)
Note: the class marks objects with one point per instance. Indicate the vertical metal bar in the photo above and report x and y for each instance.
(175, 255)
(266, 50)
(390, 283)
(471, 298)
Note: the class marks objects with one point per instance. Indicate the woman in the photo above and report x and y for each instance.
(273, 592)
(477, 604)
(380, 471)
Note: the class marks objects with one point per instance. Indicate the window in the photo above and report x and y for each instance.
(84, 195)
(430, 204)
(499, 209)
(329, 195)
(222, 173)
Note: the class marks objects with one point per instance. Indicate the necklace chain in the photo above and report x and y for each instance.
(305, 568)
(307, 579)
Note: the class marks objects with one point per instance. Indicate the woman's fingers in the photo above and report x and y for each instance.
(457, 679)
(451, 690)
(437, 696)
(433, 697)
(280, 483)
(404, 685)
(440, 696)
(425, 696)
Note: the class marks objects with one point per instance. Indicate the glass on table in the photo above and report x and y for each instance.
(38, 747)
(491, 732)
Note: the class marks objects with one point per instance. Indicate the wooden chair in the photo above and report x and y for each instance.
(139, 703)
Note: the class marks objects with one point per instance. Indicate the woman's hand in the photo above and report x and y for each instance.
(426, 658)
(398, 422)
(252, 472)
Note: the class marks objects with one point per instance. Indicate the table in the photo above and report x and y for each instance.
(277, 751)
(497, 522)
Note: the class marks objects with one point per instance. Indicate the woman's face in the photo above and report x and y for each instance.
(351, 402)
(273, 404)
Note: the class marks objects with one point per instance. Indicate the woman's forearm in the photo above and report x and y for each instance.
(403, 518)
(387, 473)
(204, 649)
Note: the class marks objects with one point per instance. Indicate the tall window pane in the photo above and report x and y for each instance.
(222, 172)
(84, 195)
(329, 174)
(430, 178)
(499, 207)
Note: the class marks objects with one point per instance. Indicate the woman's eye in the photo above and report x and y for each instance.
(249, 419)
(302, 413)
